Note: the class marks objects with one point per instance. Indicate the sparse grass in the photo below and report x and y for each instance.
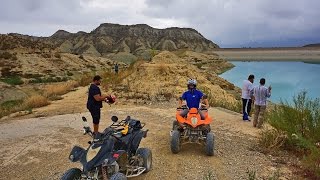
(36, 101)
(112, 79)
(51, 92)
(46, 55)
(180, 52)
(57, 55)
(48, 79)
(296, 128)
(275, 175)
(163, 68)
(251, 174)
(224, 103)
(85, 79)
(69, 73)
(271, 139)
(208, 176)
(10, 104)
(13, 80)
(56, 90)
(8, 55)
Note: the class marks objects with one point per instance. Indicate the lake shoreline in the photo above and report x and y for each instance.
(286, 78)
(311, 55)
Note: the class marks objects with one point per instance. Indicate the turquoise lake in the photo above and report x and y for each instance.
(286, 78)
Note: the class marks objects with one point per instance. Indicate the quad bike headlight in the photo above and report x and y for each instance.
(194, 121)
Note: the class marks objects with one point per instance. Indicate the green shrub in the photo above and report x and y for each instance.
(48, 80)
(251, 174)
(6, 55)
(10, 104)
(300, 123)
(14, 80)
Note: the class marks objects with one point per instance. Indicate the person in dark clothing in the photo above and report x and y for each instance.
(116, 68)
(94, 103)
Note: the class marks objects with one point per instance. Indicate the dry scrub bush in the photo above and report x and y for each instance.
(36, 101)
(271, 139)
(59, 89)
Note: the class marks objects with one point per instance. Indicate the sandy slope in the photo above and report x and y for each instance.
(37, 148)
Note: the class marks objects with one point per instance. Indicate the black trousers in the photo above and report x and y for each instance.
(246, 107)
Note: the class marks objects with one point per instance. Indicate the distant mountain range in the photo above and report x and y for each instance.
(113, 38)
(312, 45)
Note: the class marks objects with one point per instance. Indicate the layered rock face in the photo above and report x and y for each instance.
(114, 38)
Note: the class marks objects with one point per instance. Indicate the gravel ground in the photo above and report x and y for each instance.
(38, 148)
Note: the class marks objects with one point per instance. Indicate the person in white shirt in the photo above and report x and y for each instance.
(247, 95)
(260, 93)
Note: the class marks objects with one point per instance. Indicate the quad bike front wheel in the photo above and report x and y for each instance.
(146, 155)
(210, 144)
(175, 141)
(118, 176)
(175, 125)
(72, 174)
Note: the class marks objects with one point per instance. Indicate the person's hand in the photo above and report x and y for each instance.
(270, 88)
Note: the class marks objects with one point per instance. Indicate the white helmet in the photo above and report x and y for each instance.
(192, 81)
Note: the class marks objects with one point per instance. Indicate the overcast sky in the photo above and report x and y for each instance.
(229, 23)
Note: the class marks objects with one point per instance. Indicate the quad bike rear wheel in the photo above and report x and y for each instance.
(146, 155)
(72, 174)
(118, 176)
(210, 144)
(175, 141)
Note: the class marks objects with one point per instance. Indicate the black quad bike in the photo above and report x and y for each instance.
(115, 155)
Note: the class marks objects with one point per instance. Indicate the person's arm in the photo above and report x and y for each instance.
(96, 94)
(204, 99)
(99, 97)
(206, 102)
(181, 99)
(251, 92)
(268, 92)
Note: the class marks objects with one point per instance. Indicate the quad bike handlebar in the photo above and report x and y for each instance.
(202, 107)
(113, 129)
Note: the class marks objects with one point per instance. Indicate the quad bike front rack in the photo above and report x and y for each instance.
(134, 172)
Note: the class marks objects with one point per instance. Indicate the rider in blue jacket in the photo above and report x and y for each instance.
(193, 97)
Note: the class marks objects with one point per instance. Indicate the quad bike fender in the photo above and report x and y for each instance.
(112, 157)
(193, 113)
(76, 154)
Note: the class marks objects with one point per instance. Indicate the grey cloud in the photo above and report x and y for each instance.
(227, 22)
(235, 22)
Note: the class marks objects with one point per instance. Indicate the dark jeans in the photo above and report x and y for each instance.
(246, 108)
(96, 114)
(186, 111)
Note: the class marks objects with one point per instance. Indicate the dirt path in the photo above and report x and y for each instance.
(37, 148)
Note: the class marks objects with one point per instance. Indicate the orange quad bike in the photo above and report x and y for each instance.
(191, 129)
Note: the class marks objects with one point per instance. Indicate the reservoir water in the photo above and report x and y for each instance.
(286, 78)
